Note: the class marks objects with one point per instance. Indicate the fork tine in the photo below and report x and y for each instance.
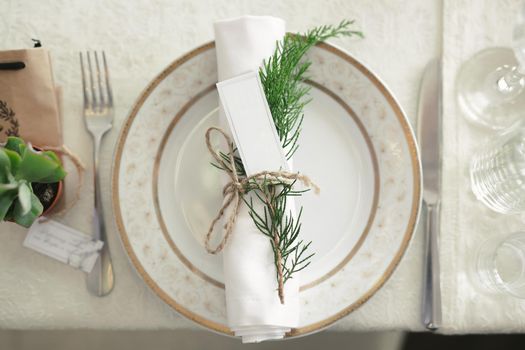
(94, 100)
(108, 86)
(84, 85)
(99, 83)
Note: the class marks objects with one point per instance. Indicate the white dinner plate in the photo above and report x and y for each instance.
(356, 144)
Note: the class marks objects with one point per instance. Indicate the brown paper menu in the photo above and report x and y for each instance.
(29, 104)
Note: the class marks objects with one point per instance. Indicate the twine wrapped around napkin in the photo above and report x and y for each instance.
(234, 191)
(253, 308)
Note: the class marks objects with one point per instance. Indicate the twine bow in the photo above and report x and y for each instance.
(234, 191)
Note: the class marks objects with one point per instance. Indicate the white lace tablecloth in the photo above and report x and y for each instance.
(142, 37)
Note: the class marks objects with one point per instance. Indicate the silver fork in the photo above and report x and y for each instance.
(98, 116)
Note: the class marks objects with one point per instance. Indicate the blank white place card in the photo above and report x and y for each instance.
(251, 124)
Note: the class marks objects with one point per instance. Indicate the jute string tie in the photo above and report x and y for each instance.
(236, 188)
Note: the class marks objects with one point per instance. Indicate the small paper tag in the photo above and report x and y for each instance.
(251, 124)
(63, 243)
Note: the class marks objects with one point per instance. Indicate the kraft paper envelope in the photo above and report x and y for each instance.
(29, 105)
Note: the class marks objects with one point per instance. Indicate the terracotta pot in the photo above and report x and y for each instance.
(58, 195)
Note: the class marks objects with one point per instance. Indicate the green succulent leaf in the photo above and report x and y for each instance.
(9, 215)
(5, 165)
(6, 200)
(28, 218)
(8, 187)
(58, 174)
(14, 158)
(14, 143)
(39, 167)
(10, 178)
(24, 198)
(53, 156)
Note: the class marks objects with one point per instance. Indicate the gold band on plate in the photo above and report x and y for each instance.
(416, 172)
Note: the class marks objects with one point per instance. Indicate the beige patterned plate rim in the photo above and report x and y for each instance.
(219, 327)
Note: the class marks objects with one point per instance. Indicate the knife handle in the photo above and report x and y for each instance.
(432, 289)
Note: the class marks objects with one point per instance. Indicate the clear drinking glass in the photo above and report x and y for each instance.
(491, 85)
(500, 265)
(497, 172)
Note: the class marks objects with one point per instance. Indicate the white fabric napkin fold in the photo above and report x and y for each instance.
(253, 307)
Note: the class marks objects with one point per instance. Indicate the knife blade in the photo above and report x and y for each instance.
(429, 137)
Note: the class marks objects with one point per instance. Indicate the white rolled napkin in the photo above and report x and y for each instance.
(254, 310)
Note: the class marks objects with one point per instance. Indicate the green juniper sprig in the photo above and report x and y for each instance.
(282, 77)
(283, 229)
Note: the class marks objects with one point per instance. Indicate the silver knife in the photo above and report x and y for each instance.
(429, 136)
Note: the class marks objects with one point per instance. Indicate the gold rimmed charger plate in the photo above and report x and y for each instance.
(356, 144)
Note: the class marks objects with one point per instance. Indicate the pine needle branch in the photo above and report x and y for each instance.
(282, 76)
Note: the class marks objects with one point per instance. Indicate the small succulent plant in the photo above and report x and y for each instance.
(20, 167)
